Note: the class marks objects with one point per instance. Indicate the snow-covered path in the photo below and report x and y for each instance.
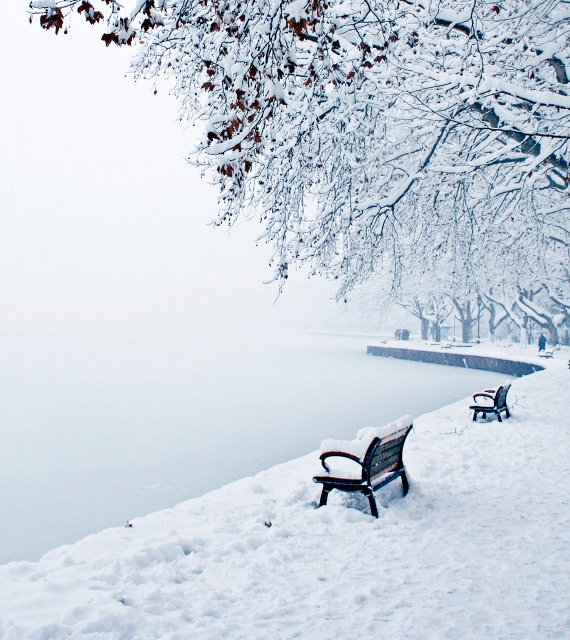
(478, 548)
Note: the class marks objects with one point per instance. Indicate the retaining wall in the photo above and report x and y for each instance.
(454, 359)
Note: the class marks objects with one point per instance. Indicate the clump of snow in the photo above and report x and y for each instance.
(296, 10)
(364, 438)
(478, 548)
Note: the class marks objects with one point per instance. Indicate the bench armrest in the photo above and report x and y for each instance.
(340, 454)
(483, 395)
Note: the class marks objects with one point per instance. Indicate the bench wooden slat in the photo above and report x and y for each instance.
(385, 461)
(386, 464)
(388, 448)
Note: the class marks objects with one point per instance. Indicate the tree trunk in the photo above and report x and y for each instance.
(466, 331)
(466, 319)
(525, 332)
(425, 327)
(436, 331)
(493, 323)
(552, 333)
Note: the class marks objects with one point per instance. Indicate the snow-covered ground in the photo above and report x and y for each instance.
(477, 549)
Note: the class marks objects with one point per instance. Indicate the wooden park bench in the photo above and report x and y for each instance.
(494, 401)
(545, 353)
(366, 464)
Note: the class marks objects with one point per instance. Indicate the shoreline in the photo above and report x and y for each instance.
(515, 368)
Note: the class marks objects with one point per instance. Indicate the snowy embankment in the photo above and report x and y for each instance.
(478, 548)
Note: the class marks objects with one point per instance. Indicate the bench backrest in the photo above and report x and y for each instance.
(501, 396)
(385, 454)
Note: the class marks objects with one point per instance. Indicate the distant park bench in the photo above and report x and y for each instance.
(492, 401)
(378, 457)
(545, 353)
(446, 345)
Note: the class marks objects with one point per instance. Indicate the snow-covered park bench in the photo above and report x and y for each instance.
(491, 401)
(366, 464)
(545, 353)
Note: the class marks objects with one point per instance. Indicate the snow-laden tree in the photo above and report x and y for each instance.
(496, 316)
(555, 280)
(426, 292)
(536, 293)
(356, 128)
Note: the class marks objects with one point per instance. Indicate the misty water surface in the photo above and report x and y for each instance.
(97, 431)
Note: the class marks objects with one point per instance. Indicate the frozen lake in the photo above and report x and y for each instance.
(97, 431)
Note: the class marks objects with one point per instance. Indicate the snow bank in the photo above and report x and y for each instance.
(359, 446)
(478, 548)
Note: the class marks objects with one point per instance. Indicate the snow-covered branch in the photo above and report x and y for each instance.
(358, 129)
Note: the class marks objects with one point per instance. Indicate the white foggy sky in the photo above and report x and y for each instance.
(103, 225)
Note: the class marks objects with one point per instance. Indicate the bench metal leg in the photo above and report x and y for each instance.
(405, 483)
(324, 496)
(373, 508)
(475, 414)
(499, 416)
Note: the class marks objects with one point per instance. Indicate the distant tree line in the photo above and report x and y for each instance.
(522, 317)
(504, 298)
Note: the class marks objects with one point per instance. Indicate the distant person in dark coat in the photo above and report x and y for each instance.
(541, 342)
